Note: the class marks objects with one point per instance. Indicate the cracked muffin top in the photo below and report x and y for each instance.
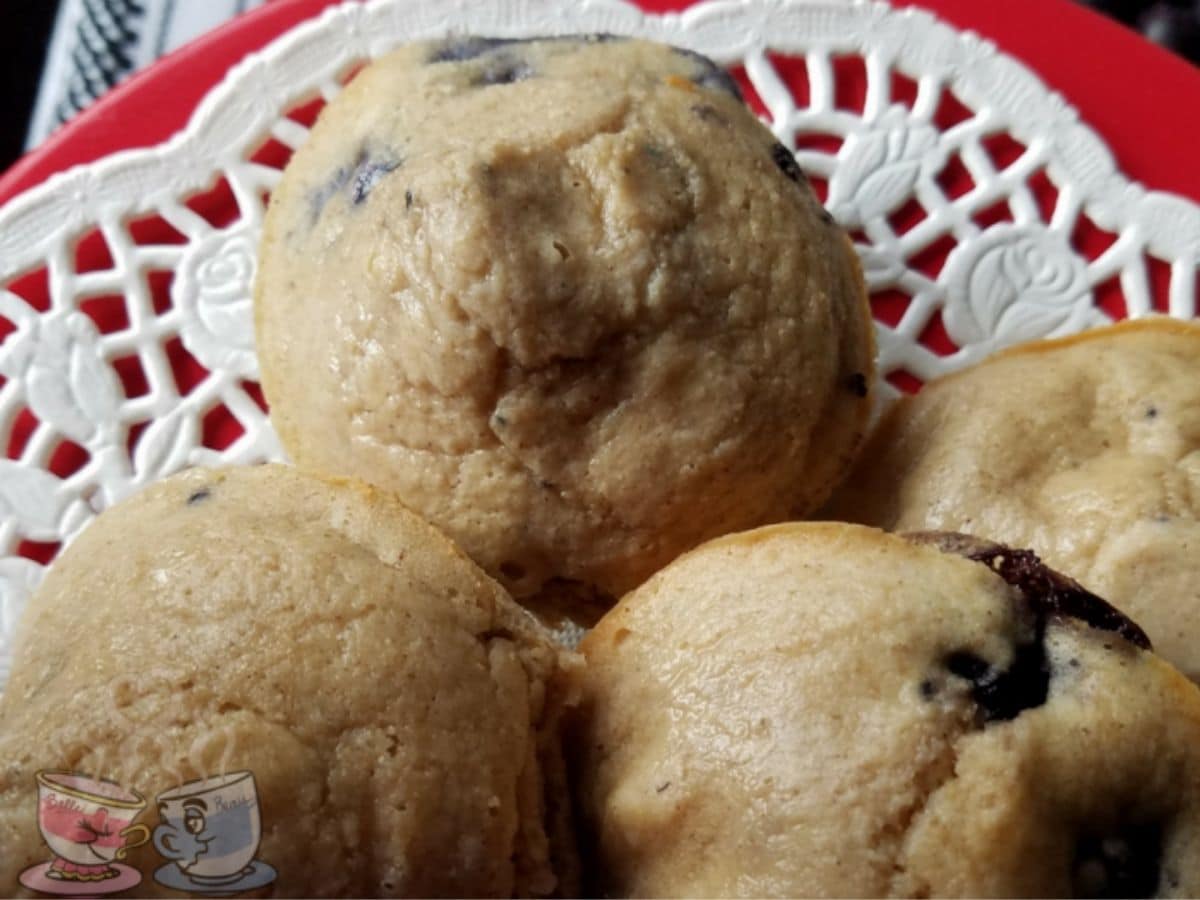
(569, 299)
(1084, 449)
(830, 710)
(392, 703)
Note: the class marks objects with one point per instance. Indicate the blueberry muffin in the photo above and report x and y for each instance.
(830, 710)
(568, 299)
(395, 707)
(1084, 449)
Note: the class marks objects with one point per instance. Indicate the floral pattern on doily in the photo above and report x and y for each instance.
(877, 168)
(35, 498)
(69, 384)
(165, 447)
(213, 290)
(1019, 282)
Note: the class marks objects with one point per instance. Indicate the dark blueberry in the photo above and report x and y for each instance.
(368, 174)
(720, 80)
(461, 49)
(323, 194)
(1152, 412)
(198, 496)
(1002, 695)
(1050, 593)
(786, 162)
(710, 75)
(464, 48)
(1045, 592)
(1123, 863)
(967, 665)
(928, 689)
(504, 69)
(857, 384)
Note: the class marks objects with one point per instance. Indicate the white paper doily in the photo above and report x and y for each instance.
(985, 212)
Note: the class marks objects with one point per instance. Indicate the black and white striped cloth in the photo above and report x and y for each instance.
(98, 43)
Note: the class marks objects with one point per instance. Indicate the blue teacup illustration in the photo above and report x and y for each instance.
(210, 830)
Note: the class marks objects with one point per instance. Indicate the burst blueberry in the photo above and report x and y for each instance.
(505, 69)
(787, 163)
(710, 75)
(368, 174)
(463, 49)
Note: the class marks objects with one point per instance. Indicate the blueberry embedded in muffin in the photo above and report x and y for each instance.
(827, 709)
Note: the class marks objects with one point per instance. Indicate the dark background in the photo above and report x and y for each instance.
(25, 30)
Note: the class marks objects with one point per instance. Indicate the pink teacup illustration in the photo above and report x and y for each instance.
(88, 825)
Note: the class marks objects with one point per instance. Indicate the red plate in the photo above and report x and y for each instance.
(1139, 97)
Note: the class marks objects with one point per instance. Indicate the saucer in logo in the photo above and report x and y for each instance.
(38, 878)
(257, 874)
